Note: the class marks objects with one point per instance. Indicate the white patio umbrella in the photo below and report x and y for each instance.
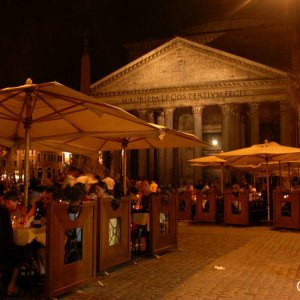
(51, 110)
(262, 153)
(209, 161)
(87, 144)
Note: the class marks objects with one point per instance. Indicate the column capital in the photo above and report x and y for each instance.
(228, 109)
(142, 113)
(253, 107)
(161, 118)
(169, 111)
(237, 110)
(198, 109)
(150, 116)
(284, 106)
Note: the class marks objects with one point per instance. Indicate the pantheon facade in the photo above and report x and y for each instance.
(233, 85)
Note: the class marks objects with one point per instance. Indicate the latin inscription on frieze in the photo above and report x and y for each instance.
(184, 96)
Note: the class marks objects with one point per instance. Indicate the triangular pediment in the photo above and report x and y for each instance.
(183, 63)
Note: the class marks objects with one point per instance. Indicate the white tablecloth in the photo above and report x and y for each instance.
(25, 236)
(141, 219)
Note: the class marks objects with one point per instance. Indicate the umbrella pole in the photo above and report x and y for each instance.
(222, 178)
(280, 175)
(27, 124)
(289, 171)
(268, 191)
(124, 166)
(26, 161)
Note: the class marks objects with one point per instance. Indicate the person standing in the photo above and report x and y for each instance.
(110, 182)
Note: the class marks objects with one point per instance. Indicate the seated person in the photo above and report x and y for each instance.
(39, 250)
(101, 190)
(134, 195)
(11, 201)
(205, 188)
(45, 198)
(154, 187)
(11, 254)
(244, 184)
(2, 189)
(252, 193)
(236, 204)
(143, 201)
(118, 191)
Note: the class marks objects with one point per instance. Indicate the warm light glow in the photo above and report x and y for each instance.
(66, 157)
(215, 142)
(100, 157)
(4, 176)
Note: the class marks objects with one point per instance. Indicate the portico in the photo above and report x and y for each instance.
(208, 92)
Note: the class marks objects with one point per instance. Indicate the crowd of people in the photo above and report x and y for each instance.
(70, 185)
(73, 185)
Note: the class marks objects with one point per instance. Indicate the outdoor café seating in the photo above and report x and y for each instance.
(184, 205)
(140, 231)
(17, 269)
(70, 247)
(155, 231)
(209, 207)
(236, 208)
(163, 224)
(113, 232)
(243, 208)
(286, 209)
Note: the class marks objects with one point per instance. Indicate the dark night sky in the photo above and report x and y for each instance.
(43, 39)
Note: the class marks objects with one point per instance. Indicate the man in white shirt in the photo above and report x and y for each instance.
(109, 182)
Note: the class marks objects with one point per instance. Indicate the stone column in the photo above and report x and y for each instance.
(197, 115)
(143, 162)
(151, 166)
(169, 153)
(254, 123)
(285, 124)
(243, 131)
(161, 152)
(294, 138)
(236, 141)
(227, 124)
(298, 127)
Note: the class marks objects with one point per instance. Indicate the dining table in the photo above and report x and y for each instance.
(141, 218)
(26, 235)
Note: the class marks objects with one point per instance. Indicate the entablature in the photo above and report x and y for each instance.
(205, 94)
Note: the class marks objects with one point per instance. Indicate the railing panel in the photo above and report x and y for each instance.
(286, 210)
(257, 208)
(236, 208)
(206, 209)
(70, 248)
(163, 224)
(184, 209)
(113, 232)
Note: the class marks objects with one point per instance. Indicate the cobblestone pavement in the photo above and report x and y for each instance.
(211, 262)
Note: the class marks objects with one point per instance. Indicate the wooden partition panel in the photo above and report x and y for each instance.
(113, 233)
(286, 210)
(71, 248)
(184, 210)
(163, 224)
(236, 208)
(206, 207)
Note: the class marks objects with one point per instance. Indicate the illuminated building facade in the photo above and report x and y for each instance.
(232, 85)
